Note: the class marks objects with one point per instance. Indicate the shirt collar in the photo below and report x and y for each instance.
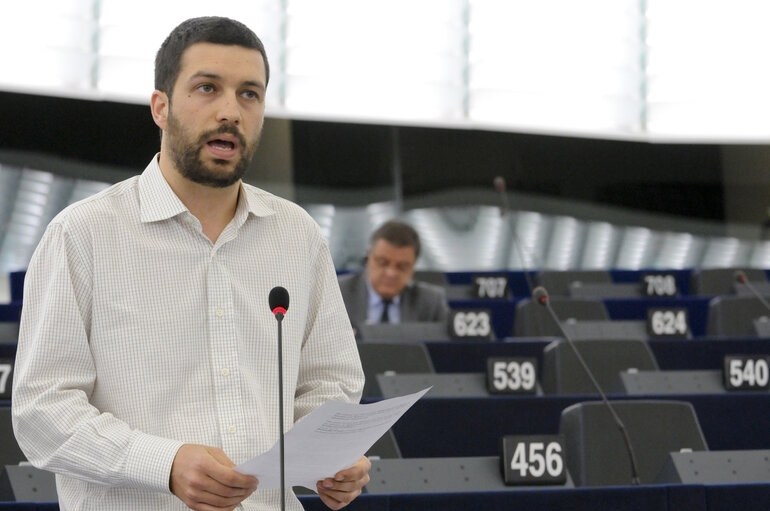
(157, 201)
(255, 204)
(375, 298)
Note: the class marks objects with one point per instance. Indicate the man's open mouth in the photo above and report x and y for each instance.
(222, 145)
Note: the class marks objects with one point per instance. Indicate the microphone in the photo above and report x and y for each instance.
(540, 295)
(741, 278)
(499, 183)
(279, 303)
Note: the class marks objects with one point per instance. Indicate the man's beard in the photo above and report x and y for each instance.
(186, 155)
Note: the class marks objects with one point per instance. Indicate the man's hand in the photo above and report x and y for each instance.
(340, 490)
(203, 478)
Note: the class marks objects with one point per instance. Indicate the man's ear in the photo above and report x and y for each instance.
(159, 105)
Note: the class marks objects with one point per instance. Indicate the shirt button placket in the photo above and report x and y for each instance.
(224, 354)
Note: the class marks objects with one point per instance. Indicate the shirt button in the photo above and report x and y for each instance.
(231, 429)
(219, 312)
(225, 371)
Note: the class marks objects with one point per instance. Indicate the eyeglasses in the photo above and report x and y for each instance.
(383, 263)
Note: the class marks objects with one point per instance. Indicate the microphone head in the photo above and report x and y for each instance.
(740, 276)
(540, 295)
(278, 299)
(499, 183)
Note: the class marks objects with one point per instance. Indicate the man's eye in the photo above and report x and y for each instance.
(250, 94)
(206, 88)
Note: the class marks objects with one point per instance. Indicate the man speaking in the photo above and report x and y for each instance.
(146, 366)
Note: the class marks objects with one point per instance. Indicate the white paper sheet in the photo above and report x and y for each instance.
(331, 438)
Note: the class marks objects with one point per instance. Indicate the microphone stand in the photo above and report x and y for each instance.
(541, 295)
(505, 210)
(279, 317)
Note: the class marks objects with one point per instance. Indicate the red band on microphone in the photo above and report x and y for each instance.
(279, 309)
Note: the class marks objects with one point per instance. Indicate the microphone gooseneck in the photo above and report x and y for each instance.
(500, 186)
(279, 304)
(540, 295)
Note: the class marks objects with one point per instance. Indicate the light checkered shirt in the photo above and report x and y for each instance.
(138, 334)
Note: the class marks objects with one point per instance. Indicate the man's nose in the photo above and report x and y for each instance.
(228, 110)
(391, 271)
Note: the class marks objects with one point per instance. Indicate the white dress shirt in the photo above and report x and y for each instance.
(139, 334)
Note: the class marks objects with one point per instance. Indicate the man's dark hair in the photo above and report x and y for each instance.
(399, 234)
(209, 29)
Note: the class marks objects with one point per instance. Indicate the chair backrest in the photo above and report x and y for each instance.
(565, 244)
(379, 358)
(720, 281)
(437, 278)
(10, 453)
(659, 383)
(558, 283)
(451, 237)
(604, 290)
(441, 384)
(9, 332)
(563, 374)
(734, 316)
(596, 453)
(417, 331)
(601, 245)
(533, 320)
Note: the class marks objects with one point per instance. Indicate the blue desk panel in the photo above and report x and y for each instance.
(504, 311)
(749, 497)
(446, 427)
(704, 353)
(17, 285)
(10, 312)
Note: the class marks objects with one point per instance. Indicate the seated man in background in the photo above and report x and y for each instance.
(385, 292)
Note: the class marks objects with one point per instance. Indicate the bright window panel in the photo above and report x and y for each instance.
(394, 59)
(52, 51)
(707, 73)
(556, 64)
(129, 40)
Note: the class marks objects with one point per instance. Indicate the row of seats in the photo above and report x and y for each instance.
(452, 236)
(619, 367)
(564, 387)
(458, 417)
(656, 427)
(738, 316)
(612, 284)
(737, 312)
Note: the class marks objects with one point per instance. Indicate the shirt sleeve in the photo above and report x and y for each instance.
(57, 428)
(330, 367)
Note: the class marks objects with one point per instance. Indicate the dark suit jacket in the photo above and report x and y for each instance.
(420, 301)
